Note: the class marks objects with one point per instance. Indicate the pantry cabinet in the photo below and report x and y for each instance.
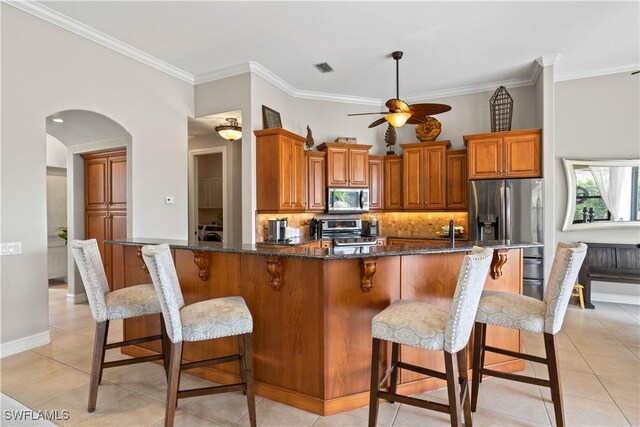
(347, 164)
(280, 171)
(393, 183)
(457, 181)
(316, 165)
(510, 154)
(424, 175)
(376, 183)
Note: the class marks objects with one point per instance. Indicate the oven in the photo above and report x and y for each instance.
(346, 233)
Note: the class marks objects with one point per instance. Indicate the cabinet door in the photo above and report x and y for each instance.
(95, 178)
(316, 188)
(412, 160)
(358, 167)
(338, 167)
(376, 183)
(297, 176)
(522, 156)
(117, 173)
(457, 182)
(96, 228)
(485, 158)
(286, 173)
(434, 178)
(116, 224)
(393, 183)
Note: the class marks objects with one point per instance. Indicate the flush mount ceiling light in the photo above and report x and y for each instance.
(58, 120)
(230, 130)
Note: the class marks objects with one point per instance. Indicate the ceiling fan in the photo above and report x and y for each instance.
(399, 111)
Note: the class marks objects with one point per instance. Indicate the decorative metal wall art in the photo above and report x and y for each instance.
(390, 137)
(501, 105)
(309, 142)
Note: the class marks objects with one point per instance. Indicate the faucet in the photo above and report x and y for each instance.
(452, 233)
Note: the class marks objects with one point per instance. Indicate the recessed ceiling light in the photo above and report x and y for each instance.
(58, 120)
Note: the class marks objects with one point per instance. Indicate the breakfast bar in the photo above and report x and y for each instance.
(312, 310)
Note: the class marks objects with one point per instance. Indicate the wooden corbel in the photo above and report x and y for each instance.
(499, 259)
(368, 269)
(201, 259)
(274, 267)
(139, 255)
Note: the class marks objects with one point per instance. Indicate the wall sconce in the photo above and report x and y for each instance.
(230, 130)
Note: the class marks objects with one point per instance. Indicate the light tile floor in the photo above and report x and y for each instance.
(599, 360)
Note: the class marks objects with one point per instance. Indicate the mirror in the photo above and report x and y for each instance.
(602, 194)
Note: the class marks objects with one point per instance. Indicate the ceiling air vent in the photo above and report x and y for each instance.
(323, 67)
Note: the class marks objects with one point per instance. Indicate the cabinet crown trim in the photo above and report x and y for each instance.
(443, 142)
(278, 131)
(326, 145)
(500, 134)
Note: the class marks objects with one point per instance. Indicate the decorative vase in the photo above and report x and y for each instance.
(429, 130)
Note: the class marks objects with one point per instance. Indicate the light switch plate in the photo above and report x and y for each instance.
(14, 248)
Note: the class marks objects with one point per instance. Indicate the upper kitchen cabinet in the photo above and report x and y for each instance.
(424, 175)
(347, 164)
(316, 165)
(393, 182)
(457, 181)
(511, 154)
(280, 170)
(376, 183)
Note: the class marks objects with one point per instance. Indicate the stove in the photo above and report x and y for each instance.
(346, 232)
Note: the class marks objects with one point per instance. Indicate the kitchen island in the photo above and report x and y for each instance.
(312, 310)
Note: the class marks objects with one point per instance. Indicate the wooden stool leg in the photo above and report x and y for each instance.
(484, 343)
(247, 375)
(375, 377)
(476, 373)
(464, 386)
(241, 349)
(96, 364)
(106, 335)
(581, 298)
(395, 350)
(453, 388)
(166, 347)
(173, 384)
(554, 378)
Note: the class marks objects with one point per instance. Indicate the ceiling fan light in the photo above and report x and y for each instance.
(397, 119)
(230, 131)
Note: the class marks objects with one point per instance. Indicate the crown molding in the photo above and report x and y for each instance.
(596, 73)
(467, 90)
(43, 12)
(234, 70)
(546, 60)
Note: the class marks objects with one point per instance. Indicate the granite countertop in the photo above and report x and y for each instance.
(435, 247)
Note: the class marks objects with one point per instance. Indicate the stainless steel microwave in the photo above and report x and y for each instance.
(347, 200)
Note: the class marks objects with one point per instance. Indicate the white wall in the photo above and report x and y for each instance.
(46, 69)
(56, 152)
(596, 118)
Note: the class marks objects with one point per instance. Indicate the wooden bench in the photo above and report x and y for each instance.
(609, 262)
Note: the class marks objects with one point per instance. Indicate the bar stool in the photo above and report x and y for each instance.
(578, 293)
(424, 326)
(529, 314)
(205, 320)
(106, 305)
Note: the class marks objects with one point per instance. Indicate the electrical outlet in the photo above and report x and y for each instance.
(169, 200)
(14, 248)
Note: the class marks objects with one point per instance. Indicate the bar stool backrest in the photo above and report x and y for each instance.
(165, 280)
(94, 279)
(564, 272)
(464, 306)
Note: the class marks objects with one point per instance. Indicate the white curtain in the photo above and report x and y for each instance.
(614, 184)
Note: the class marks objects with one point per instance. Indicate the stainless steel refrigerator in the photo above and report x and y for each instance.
(511, 209)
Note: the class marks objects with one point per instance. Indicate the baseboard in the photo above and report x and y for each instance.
(23, 344)
(616, 298)
(77, 299)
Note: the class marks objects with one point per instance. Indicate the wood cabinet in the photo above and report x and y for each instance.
(280, 171)
(457, 181)
(376, 183)
(393, 182)
(316, 188)
(347, 164)
(105, 189)
(424, 174)
(511, 154)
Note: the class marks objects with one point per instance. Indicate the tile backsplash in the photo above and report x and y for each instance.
(399, 224)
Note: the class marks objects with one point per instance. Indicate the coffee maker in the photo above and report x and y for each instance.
(370, 227)
(277, 229)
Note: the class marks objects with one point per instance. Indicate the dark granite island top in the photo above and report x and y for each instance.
(434, 247)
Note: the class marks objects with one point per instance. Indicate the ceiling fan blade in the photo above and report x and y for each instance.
(366, 114)
(397, 106)
(423, 110)
(416, 120)
(378, 122)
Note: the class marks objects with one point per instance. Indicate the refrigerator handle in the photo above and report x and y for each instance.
(507, 212)
(502, 220)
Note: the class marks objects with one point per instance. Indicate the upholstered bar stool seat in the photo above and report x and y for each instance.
(205, 320)
(512, 311)
(528, 314)
(107, 305)
(424, 326)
